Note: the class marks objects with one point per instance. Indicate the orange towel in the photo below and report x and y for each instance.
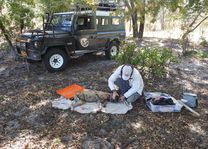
(70, 91)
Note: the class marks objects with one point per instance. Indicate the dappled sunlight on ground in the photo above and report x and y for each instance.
(197, 129)
(27, 119)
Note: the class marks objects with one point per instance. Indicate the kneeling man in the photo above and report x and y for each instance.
(126, 84)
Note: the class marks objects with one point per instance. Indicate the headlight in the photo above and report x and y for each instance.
(23, 44)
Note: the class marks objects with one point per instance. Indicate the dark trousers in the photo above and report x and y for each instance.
(124, 86)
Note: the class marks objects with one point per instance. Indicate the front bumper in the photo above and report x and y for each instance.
(28, 51)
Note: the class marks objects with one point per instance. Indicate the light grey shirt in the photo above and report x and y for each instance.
(136, 82)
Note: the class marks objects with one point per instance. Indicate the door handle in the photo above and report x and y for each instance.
(93, 37)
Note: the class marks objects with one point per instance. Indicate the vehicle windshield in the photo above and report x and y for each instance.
(61, 22)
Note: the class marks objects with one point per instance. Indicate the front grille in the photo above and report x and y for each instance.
(21, 45)
(30, 46)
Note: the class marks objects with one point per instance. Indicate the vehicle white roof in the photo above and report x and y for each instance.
(98, 12)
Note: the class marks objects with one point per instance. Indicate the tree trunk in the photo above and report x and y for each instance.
(6, 36)
(131, 7)
(141, 27)
(185, 41)
(142, 20)
(134, 24)
(21, 26)
(162, 19)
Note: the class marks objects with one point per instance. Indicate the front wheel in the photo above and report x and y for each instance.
(55, 60)
(112, 50)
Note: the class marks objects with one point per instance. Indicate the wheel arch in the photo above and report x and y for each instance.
(116, 40)
(61, 47)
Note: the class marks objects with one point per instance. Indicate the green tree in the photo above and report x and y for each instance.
(192, 13)
(5, 24)
(195, 13)
(21, 12)
(15, 16)
(135, 7)
(138, 9)
(51, 6)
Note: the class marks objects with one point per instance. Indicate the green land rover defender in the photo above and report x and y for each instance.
(70, 34)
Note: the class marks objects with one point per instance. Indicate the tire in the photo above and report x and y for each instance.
(56, 60)
(112, 51)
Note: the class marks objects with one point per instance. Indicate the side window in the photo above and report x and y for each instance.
(57, 20)
(61, 22)
(66, 20)
(97, 21)
(104, 21)
(85, 22)
(115, 21)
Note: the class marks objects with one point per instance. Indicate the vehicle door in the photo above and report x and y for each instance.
(85, 32)
(103, 32)
(59, 31)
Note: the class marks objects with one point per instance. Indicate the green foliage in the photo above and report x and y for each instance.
(4, 46)
(203, 42)
(153, 8)
(196, 54)
(21, 13)
(15, 16)
(3, 98)
(127, 53)
(150, 60)
(51, 6)
(192, 13)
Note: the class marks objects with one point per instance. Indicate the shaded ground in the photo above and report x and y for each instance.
(27, 119)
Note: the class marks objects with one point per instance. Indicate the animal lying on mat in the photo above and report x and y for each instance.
(92, 96)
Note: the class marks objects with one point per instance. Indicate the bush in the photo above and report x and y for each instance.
(196, 54)
(150, 60)
(203, 42)
(127, 53)
(4, 46)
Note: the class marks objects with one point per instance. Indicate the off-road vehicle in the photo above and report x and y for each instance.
(69, 34)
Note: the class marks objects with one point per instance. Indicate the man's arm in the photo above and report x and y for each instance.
(113, 78)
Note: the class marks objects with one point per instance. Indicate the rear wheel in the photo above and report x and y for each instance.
(55, 60)
(112, 50)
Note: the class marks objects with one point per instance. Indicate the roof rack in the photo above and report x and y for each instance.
(99, 6)
(106, 6)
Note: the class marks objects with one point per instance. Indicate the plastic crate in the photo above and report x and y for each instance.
(161, 108)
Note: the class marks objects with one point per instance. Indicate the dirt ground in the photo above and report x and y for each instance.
(27, 119)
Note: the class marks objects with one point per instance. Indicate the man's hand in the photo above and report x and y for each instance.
(122, 98)
(114, 95)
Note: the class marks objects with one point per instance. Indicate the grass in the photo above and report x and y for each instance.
(3, 98)
(57, 141)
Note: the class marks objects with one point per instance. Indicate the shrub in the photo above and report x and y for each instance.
(127, 53)
(197, 54)
(152, 61)
(203, 42)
